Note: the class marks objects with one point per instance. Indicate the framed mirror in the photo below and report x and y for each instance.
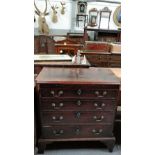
(105, 13)
(117, 16)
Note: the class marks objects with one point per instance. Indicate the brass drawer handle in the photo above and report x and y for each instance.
(58, 132)
(60, 93)
(99, 106)
(95, 132)
(98, 119)
(97, 93)
(79, 91)
(57, 119)
(57, 107)
(78, 103)
(52, 92)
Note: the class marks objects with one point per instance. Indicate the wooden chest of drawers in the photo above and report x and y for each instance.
(103, 59)
(98, 59)
(77, 104)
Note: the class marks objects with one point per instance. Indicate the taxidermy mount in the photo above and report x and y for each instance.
(43, 26)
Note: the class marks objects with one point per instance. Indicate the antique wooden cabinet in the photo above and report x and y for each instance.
(103, 59)
(43, 44)
(76, 104)
(106, 35)
(77, 37)
(97, 46)
(97, 59)
(67, 46)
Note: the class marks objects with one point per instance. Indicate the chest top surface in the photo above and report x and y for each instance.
(90, 75)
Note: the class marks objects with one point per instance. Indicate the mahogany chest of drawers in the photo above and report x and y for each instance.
(76, 104)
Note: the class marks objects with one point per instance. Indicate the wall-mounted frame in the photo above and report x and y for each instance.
(105, 13)
(82, 7)
(93, 16)
(117, 16)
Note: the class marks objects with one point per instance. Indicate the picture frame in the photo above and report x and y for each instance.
(93, 17)
(82, 7)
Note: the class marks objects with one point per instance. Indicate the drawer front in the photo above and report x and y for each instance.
(63, 117)
(58, 91)
(77, 131)
(77, 104)
(115, 64)
(97, 60)
(116, 57)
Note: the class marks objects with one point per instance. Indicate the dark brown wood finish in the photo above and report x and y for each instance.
(77, 37)
(44, 44)
(68, 46)
(103, 59)
(77, 104)
(39, 65)
(97, 46)
(105, 34)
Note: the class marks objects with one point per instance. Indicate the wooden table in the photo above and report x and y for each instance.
(38, 65)
(52, 57)
(49, 60)
(117, 72)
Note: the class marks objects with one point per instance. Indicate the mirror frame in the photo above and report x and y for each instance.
(115, 16)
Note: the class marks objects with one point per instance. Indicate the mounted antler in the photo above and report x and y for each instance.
(43, 27)
(54, 14)
(63, 8)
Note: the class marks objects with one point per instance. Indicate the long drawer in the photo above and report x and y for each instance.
(76, 131)
(85, 105)
(74, 117)
(71, 91)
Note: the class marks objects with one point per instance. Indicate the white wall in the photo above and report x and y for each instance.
(68, 20)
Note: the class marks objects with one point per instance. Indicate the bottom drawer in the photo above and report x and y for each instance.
(76, 131)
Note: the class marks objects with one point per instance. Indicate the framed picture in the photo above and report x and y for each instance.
(82, 7)
(93, 16)
(117, 16)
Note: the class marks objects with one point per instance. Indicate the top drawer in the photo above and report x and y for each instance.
(79, 91)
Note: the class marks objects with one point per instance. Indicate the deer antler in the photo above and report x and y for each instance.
(54, 7)
(62, 7)
(62, 3)
(37, 10)
(45, 7)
